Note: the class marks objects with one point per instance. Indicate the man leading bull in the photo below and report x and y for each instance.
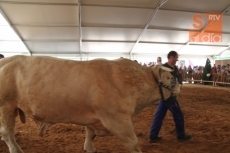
(172, 104)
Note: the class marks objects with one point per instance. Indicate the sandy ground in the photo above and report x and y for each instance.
(207, 118)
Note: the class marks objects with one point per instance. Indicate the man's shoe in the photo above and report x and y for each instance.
(155, 139)
(186, 137)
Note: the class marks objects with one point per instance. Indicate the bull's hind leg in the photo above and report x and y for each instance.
(124, 130)
(7, 123)
(88, 145)
(90, 135)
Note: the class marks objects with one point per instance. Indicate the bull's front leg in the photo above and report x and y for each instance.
(88, 145)
(7, 123)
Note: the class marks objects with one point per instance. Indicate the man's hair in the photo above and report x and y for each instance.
(172, 53)
(1, 56)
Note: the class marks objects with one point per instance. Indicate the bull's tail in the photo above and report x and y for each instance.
(22, 116)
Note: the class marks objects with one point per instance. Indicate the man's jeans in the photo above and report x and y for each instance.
(173, 105)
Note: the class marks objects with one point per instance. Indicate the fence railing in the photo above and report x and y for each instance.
(199, 81)
(216, 79)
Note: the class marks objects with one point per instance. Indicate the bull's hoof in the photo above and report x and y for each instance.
(91, 151)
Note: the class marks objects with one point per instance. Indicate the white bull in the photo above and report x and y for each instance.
(102, 95)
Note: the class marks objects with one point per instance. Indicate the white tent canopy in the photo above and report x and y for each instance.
(86, 29)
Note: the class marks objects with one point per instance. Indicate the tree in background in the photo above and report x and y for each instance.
(207, 71)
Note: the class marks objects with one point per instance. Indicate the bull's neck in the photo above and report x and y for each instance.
(151, 95)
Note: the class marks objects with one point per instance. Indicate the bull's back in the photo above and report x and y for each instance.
(45, 84)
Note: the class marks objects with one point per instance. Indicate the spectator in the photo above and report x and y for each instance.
(181, 71)
(227, 69)
(222, 70)
(159, 61)
(218, 69)
(214, 69)
(1, 56)
(190, 70)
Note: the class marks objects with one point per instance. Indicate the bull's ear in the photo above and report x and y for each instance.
(157, 70)
(166, 69)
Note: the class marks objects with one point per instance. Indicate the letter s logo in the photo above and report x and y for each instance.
(196, 18)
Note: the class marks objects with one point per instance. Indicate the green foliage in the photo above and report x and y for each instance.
(207, 70)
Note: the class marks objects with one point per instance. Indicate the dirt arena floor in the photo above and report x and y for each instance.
(207, 119)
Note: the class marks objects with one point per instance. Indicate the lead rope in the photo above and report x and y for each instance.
(161, 91)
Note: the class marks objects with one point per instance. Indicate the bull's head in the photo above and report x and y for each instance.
(168, 85)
